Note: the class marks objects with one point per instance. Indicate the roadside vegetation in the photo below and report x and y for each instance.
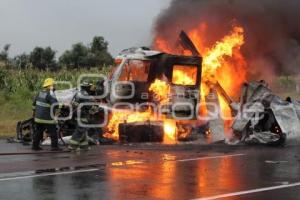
(22, 76)
(18, 87)
(288, 86)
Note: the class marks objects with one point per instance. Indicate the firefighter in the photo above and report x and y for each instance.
(79, 140)
(43, 118)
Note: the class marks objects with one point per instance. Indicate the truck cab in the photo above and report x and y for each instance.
(137, 68)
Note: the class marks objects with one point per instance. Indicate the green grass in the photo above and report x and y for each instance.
(17, 89)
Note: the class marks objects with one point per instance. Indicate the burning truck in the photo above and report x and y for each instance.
(164, 87)
(187, 92)
(192, 95)
(178, 91)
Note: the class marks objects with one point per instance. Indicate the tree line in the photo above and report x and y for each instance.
(80, 55)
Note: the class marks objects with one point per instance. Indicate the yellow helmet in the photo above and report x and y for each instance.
(48, 82)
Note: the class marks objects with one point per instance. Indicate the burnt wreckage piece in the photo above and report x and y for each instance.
(264, 118)
(141, 132)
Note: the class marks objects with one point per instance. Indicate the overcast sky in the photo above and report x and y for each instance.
(61, 23)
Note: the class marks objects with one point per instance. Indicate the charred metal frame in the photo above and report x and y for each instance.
(161, 66)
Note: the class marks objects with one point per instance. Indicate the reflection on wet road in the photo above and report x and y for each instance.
(163, 174)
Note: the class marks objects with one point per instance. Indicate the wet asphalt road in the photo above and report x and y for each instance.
(153, 171)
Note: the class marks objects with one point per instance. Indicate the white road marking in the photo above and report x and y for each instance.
(48, 174)
(210, 157)
(250, 191)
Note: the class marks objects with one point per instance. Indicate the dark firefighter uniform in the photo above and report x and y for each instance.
(42, 106)
(79, 139)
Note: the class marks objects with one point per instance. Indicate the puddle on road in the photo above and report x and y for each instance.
(168, 157)
(165, 157)
(276, 161)
(66, 169)
(127, 162)
(50, 171)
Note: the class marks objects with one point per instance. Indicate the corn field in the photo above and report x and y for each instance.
(14, 81)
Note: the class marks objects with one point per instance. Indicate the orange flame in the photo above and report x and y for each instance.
(216, 57)
(183, 75)
(223, 62)
(121, 116)
(217, 66)
(170, 131)
(161, 91)
(118, 117)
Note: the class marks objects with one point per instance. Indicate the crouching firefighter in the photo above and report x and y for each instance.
(43, 105)
(79, 140)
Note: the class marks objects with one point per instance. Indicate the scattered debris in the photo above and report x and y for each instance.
(25, 130)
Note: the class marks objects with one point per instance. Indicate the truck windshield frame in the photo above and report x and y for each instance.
(135, 70)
